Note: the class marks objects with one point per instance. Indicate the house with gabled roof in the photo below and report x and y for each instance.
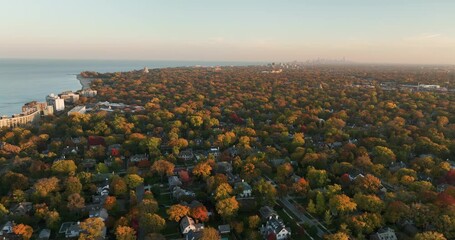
(275, 229)
(187, 224)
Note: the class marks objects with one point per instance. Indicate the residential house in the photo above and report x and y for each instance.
(44, 234)
(22, 209)
(243, 188)
(187, 224)
(100, 212)
(275, 229)
(174, 181)
(384, 234)
(192, 235)
(266, 213)
(138, 157)
(70, 229)
(215, 152)
(224, 229)
(186, 155)
(223, 167)
(103, 190)
(7, 228)
(179, 193)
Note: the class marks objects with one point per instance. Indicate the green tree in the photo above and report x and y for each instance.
(153, 145)
(133, 180)
(152, 222)
(64, 167)
(266, 191)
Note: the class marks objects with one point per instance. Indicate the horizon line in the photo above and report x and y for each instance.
(347, 62)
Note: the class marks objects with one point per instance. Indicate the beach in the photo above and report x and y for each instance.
(85, 82)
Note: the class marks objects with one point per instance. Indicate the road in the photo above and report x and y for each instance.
(303, 218)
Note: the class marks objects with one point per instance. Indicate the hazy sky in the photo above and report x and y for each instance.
(391, 31)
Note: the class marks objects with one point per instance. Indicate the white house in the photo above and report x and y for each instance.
(187, 224)
(7, 228)
(275, 229)
(384, 234)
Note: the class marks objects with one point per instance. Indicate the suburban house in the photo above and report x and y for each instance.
(384, 234)
(266, 213)
(70, 229)
(244, 189)
(275, 229)
(178, 193)
(224, 229)
(138, 157)
(186, 155)
(7, 228)
(187, 224)
(45, 234)
(223, 167)
(174, 181)
(22, 209)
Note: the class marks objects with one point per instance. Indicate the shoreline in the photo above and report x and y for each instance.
(85, 82)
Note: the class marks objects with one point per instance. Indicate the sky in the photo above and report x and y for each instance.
(370, 31)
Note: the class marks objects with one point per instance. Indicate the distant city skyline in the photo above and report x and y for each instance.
(389, 31)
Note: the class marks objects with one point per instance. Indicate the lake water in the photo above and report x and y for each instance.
(25, 80)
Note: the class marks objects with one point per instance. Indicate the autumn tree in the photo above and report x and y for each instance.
(125, 233)
(110, 202)
(301, 187)
(23, 230)
(227, 207)
(429, 235)
(336, 236)
(266, 191)
(317, 178)
(383, 155)
(92, 228)
(153, 145)
(366, 184)
(202, 169)
(254, 221)
(72, 185)
(163, 167)
(199, 213)
(119, 186)
(223, 191)
(177, 211)
(64, 167)
(75, 202)
(152, 222)
(342, 204)
(148, 205)
(284, 171)
(210, 233)
(3, 211)
(133, 180)
(370, 203)
(44, 186)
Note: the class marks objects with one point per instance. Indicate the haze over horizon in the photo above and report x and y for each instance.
(408, 32)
